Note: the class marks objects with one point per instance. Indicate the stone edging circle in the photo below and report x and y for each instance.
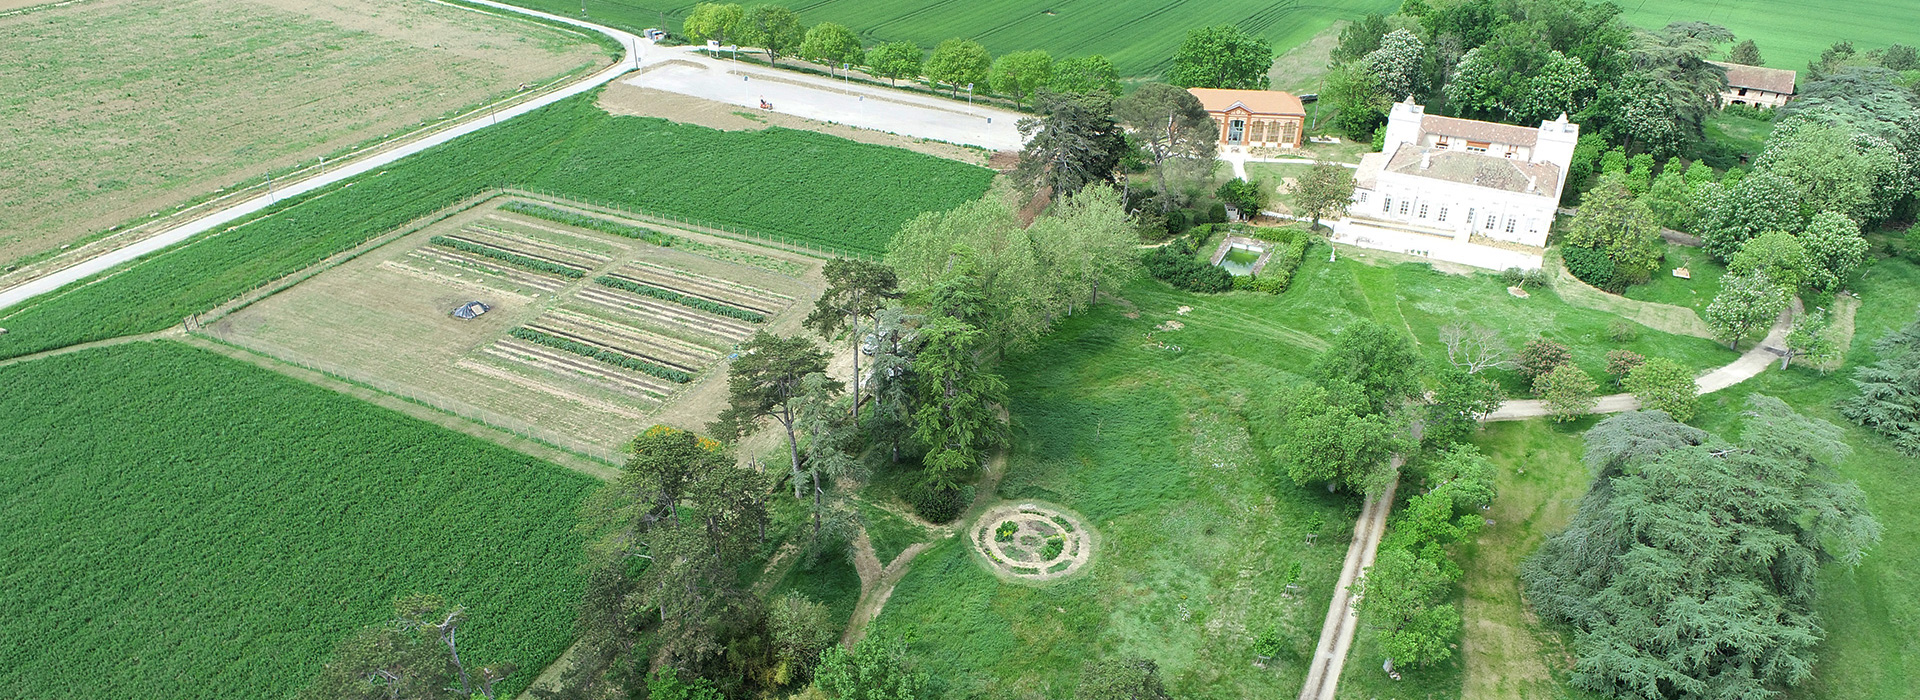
(1031, 530)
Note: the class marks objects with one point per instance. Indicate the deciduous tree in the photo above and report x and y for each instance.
(1170, 125)
(1567, 391)
(1376, 360)
(1128, 678)
(714, 21)
(1729, 215)
(1019, 74)
(978, 250)
(1746, 303)
(1086, 75)
(1613, 221)
(1664, 385)
(774, 28)
(1834, 250)
(876, 668)
(1459, 400)
(1249, 198)
(1087, 242)
(1360, 106)
(1620, 363)
(1223, 56)
(414, 655)
(1541, 356)
(831, 45)
(1777, 255)
(895, 60)
(1399, 597)
(959, 63)
(1398, 65)
(1324, 191)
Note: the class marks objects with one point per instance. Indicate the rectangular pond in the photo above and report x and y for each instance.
(1239, 261)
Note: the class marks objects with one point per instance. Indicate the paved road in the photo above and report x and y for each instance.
(683, 70)
(210, 221)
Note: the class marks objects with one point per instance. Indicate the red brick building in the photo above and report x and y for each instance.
(1254, 118)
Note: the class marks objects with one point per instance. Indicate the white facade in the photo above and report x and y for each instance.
(1462, 185)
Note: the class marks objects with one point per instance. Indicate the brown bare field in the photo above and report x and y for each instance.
(621, 98)
(384, 320)
(117, 109)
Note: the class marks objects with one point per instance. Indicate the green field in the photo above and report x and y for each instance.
(828, 193)
(1140, 36)
(181, 525)
(1790, 34)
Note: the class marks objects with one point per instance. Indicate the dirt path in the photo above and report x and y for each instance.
(1336, 635)
(175, 332)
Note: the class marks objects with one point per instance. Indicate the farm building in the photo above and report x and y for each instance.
(1757, 86)
(1254, 118)
(470, 310)
(1471, 192)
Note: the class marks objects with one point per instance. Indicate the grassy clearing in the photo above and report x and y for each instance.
(1695, 293)
(891, 534)
(1741, 134)
(218, 521)
(827, 187)
(1790, 33)
(119, 108)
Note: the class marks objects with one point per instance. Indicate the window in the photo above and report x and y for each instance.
(1287, 132)
(1478, 146)
(1423, 210)
(1443, 214)
(1743, 92)
(1236, 131)
(1386, 205)
(1403, 207)
(1490, 221)
(1441, 143)
(1513, 151)
(1470, 217)
(1509, 224)
(1363, 196)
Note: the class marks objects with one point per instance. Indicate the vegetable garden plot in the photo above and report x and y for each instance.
(570, 365)
(456, 265)
(695, 284)
(674, 317)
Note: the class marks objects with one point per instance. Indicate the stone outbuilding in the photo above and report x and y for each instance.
(1757, 86)
(1254, 118)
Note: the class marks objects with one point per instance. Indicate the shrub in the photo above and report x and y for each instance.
(1623, 331)
(1512, 276)
(938, 505)
(691, 302)
(596, 352)
(1245, 283)
(1004, 532)
(1175, 264)
(1217, 213)
(1540, 357)
(1178, 221)
(1591, 266)
(1621, 362)
(509, 257)
(592, 223)
(1536, 278)
(1055, 545)
(1277, 276)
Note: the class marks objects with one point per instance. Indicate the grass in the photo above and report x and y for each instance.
(1739, 134)
(1140, 36)
(183, 525)
(1694, 293)
(890, 533)
(220, 94)
(571, 148)
(1790, 34)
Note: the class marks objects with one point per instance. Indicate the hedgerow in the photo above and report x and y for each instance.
(823, 191)
(509, 257)
(602, 354)
(594, 223)
(1175, 264)
(1277, 275)
(215, 520)
(691, 302)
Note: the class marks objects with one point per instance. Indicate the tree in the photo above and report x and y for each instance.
(800, 631)
(1746, 53)
(1021, 73)
(1375, 360)
(1834, 167)
(1746, 303)
(1398, 597)
(1171, 125)
(1777, 255)
(764, 383)
(1657, 571)
(1129, 678)
(1399, 64)
(1755, 205)
(1359, 105)
(1671, 197)
(1835, 250)
(987, 264)
(1567, 392)
(1541, 356)
(1222, 56)
(820, 415)
(1672, 90)
(1086, 75)
(1086, 243)
(666, 684)
(1474, 348)
(1324, 191)
(831, 45)
(1810, 341)
(895, 60)
(1360, 38)
(1613, 221)
(774, 28)
(959, 62)
(1889, 399)
(1247, 197)
(712, 21)
(1620, 363)
(1460, 399)
(1073, 143)
(1900, 57)
(1519, 80)
(876, 668)
(1327, 439)
(1664, 385)
(414, 655)
(958, 399)
(856, 290)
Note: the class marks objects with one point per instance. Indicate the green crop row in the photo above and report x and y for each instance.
(593, 352)
(509, 257)
(215, 520)
(592, 223)
(691, 302)
(829, 192)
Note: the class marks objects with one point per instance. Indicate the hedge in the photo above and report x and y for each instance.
(601, 354)
(510, 258)
(692, 302)
(1592, 267)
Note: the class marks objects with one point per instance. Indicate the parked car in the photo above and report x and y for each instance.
(654, 33)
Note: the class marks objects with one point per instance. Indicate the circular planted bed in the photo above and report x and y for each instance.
(1032, 542)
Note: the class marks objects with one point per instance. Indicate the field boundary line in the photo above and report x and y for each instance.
(776, 241)
(174, 332)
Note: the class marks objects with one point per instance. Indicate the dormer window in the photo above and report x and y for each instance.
(1478, 146)
(1443, 144)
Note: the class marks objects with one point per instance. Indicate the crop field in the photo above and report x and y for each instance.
(181, 525)
(115, 109)
(1790, 34)
(588, 338)
(822, 192)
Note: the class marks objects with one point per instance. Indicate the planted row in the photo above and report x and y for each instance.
(594, 352)
(509, 257)
(688, 301)
(592, 223)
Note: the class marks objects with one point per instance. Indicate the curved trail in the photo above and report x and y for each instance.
(1336, 635)
(210, 221)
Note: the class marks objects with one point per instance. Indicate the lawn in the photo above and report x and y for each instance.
(1790, 34)
(1695, 292)
(1739, 134)
(181, 525)
(1140, 36)
(116, 109)
(827, 188)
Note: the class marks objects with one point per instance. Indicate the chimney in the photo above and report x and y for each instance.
(1426, 159)
(1533, 182)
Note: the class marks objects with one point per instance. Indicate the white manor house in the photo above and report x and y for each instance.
(1464, 191)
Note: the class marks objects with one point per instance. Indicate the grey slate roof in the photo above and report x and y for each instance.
(1473, 130)
(1476, 169)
